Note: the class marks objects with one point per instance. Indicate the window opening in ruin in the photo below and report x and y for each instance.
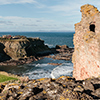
(92, 27)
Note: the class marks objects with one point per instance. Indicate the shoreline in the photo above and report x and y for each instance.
(59, 53)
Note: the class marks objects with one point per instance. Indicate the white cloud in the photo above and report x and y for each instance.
(15, 23)
(67, 7)
(60, 8)
(64, 13)
(3, 2)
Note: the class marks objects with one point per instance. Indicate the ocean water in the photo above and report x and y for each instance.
(41, 68)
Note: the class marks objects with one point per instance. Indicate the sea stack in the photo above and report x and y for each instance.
(86, 56)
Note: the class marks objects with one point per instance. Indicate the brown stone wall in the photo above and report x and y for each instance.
(86, 56)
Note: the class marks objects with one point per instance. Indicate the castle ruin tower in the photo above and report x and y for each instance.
(86, 56)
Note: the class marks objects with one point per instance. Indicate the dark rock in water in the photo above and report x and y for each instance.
(62, 52)
(61, 47)
(62, 88)
(44, 53)
(55, 64)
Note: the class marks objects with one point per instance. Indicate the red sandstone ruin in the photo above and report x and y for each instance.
(86, 56)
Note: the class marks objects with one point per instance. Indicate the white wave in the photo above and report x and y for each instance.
(65, 69)
(39, 74)
(49, 71)
(50, 45)
(41, 65)
(40, 71)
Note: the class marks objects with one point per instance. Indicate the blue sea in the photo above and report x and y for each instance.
(41, 68)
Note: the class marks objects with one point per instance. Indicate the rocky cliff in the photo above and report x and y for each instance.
(22, 47)
(86, 56)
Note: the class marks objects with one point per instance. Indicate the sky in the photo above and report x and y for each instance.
(41, 15)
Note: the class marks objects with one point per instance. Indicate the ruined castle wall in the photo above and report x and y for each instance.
(86, 56)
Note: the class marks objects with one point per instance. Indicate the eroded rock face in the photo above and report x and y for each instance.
(20, 48)
(15, 49)
(86, 56)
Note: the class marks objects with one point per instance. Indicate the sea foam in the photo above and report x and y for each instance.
(50, 71)
(65, 69)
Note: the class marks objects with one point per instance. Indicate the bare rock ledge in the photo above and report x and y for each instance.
(62, 88)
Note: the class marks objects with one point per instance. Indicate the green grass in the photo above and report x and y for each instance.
(4, 78)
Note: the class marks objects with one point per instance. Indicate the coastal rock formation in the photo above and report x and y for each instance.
(21, 47)
(86, 56)
(62, 52)
(62, 88)
(19, 50)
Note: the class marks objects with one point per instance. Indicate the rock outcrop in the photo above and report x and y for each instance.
(19, 48)
(62, 88)
(62, 52)
(86, 56)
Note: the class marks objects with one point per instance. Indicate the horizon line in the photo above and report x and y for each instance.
(37, 31)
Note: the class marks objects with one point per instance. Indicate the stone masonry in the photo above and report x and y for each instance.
(86, 56)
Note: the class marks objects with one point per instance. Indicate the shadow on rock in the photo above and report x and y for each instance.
(3, 55)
